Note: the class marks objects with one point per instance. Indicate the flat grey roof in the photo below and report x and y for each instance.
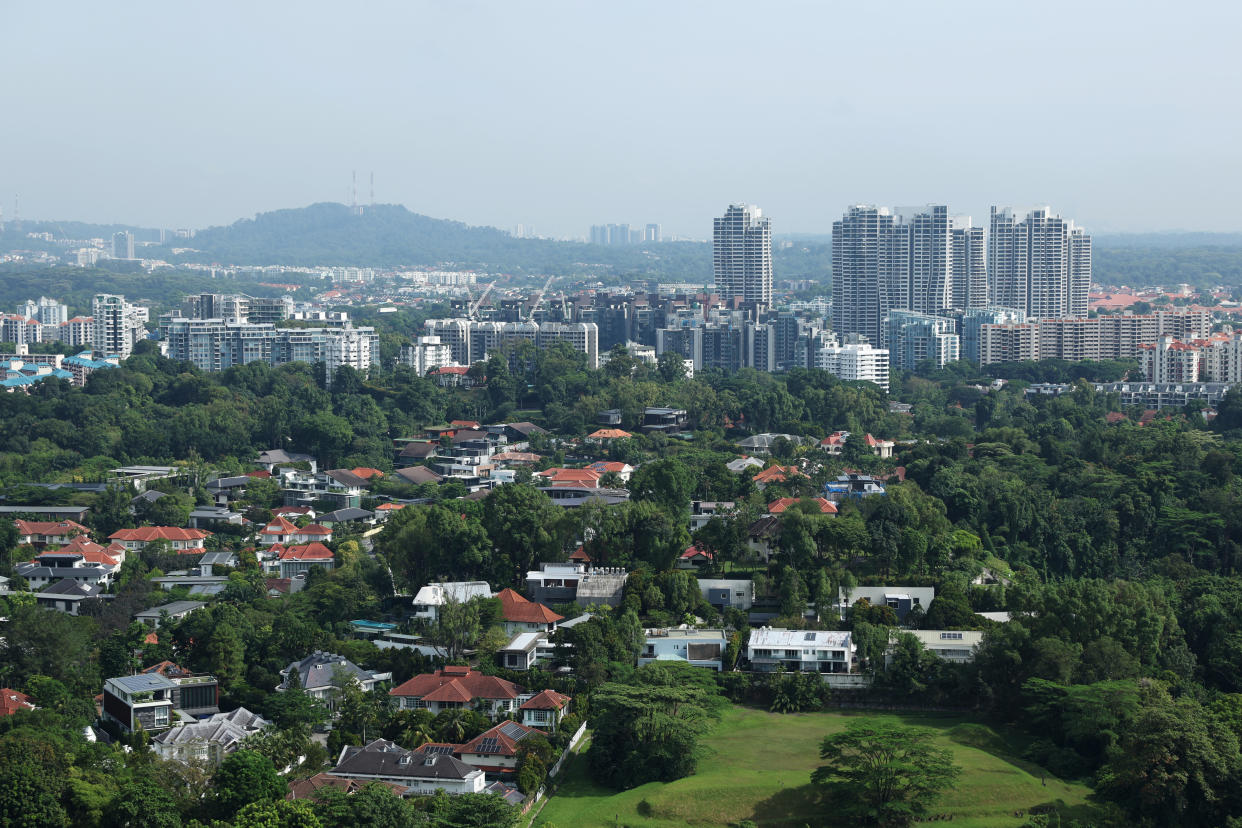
(143, 682)
(172, 609)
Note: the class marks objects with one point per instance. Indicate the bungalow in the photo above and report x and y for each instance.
(12, 701)
(695, 557)
(667, 420)
(48, 533)
(292, 561)
(743, 463)
(521, 615)
(545, 710)
(225, 490)
(418, 475)
(453, 376)
(524, 651)
(282, 531)
(834, 443)
(901, 599)
(699, 648)
(777, 474)
(210, 740)
(173, 612)
(571, 477)
(495, 751)
(762, 536)
(582, 584)
(351, 515)
(852, 486)
(182, 541)
(957, 646)
(430, 598)
(782, 504)
(423, 771)
(570, 495)
(624, 471)
(822, 651)
(702, 511)
(412, 454)
(724, 593)
(271, 460)
(148, 700)
(455, 688)
(880, 448)
(606, 434)
(67, 596)
(82, 566)
(763, 443)
(322, 674)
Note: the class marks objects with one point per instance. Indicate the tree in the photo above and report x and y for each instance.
(456, 627)
(141, 803)
(472, 810)
(671, 366)
(1176, 765)
(243, 778)
(882, 773)
(280, 813)
(32, 777)
(647, 733)
(374, 805)
(668, 483)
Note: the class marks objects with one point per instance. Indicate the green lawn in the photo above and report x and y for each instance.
(760, 769)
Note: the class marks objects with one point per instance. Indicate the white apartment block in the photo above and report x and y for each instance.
(1040, 264)
(117, 325)
(21, 330)
(1170, 361)
(470, 341)
(1009, 342)
(742, 254)
(219, 344)
(78, 331)
(426, 354)
(1103, 337)
(46, 311)
(855, 362)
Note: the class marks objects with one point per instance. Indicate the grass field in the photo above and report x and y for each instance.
(760, 768)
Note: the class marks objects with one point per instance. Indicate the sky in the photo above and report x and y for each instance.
(559, 115)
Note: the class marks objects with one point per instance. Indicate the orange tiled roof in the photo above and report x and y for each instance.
(12, 701)
(609, 434)
(314, 551)
(781, 504)
(518, 609)
(151, 533)
(54, 528)
(778, 474)
(474, 683)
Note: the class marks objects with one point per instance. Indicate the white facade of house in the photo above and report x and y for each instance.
(430, 598)
(821, 651)
(698, 648)
(957, 646)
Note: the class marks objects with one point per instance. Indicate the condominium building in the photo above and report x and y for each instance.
(78, 331)
(1008, 342)
(973, 318)
(1170, 361)
(1040, 264)
(46, 311)
(912, 338)
(259, 309)
(742, 254)
(123, 245)
(425, 354)
(927, 262)
(855, 361)
(219, 344)
(19, 329)
(117, 325)
(470, 341)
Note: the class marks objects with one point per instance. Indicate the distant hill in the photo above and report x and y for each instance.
(391, 235)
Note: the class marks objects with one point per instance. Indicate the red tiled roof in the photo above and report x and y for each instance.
(151, 533)
(471, 424)
(695, 552)
(781, 504)
(366, 472)
(12, 701)
(472, 682)
(609, 434)
(518, 609)
(92, 552)
(545, 700)
(261, 473)
(54, 528)
(571, 475)
(580, 555)
(605, 466)
(315, 551)
(505, 745)
(315, 529)
(389, 507)
(452, 369)
(778, 474)
(279, 526)
(307, 788)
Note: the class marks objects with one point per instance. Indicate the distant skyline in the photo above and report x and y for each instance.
(560, 115)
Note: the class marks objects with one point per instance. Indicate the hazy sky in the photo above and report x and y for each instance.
(1123, 116)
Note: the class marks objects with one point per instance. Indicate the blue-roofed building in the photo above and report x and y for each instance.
(84, 364)
(852, 486)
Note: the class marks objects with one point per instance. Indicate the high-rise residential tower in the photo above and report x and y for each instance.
(1040, 265)
(123, 245)
(742, 254)
(926, 261)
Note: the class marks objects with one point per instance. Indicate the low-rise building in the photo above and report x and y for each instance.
(67, 596)
(424, 771)
(957, 646)
(153, 701)
(430, 598)
(853, 487)
(456, 688)
(725, 593)
(173, 612)
(210, 740)
(322, 675)
(900, 599)
(778, 650)
(183, 541)
(48, 533)
(698, 648)
(545, 710)
(495, 751)
(578, 583)
(521, 615)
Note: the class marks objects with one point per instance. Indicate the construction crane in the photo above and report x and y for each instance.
(474, 307)
(539, 299)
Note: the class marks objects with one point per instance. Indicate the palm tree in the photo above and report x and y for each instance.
(450, 726)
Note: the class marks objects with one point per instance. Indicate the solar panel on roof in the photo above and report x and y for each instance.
(489, 745)
(438, 749)
(513, 730)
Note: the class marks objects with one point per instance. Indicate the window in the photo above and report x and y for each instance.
(160, 718)
(950, 636)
